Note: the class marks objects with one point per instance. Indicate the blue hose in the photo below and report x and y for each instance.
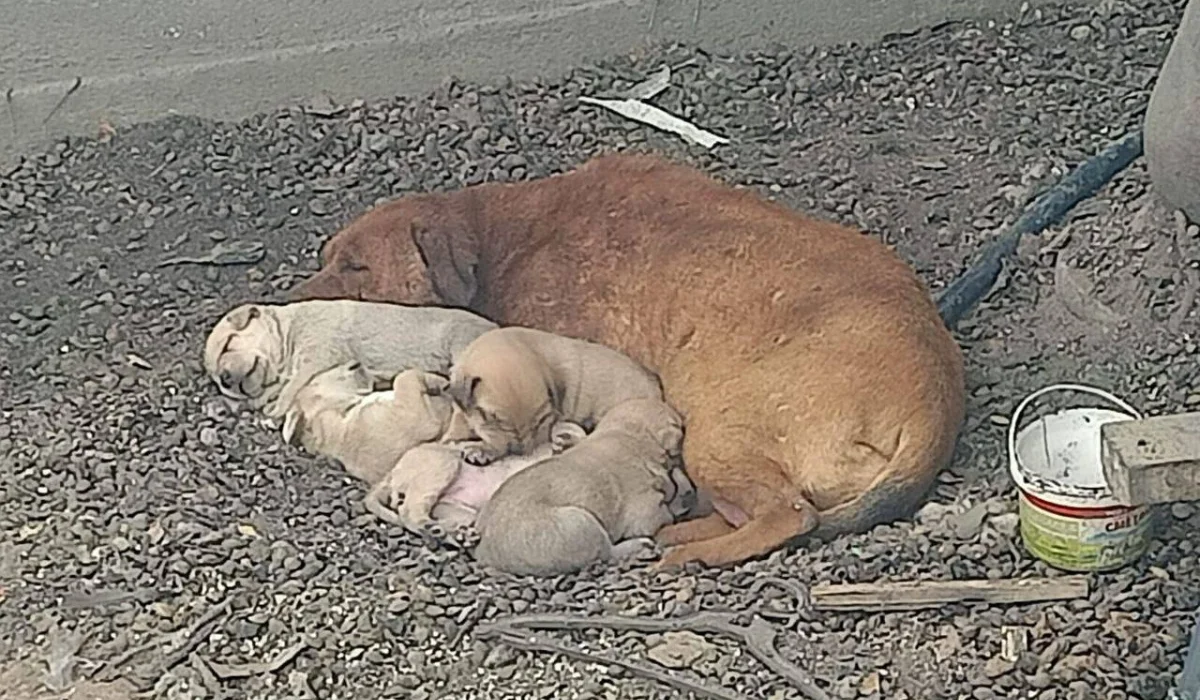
(961, 295)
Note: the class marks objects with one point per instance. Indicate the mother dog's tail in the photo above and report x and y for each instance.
(894, 494)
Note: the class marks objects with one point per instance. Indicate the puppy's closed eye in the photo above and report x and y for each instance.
(351, 265)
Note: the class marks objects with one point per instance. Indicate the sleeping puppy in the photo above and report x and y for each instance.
(511, 385)
(265, 353)
(432, 489)
(338, 414)
(598, 501)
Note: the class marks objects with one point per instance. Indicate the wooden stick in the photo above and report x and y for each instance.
(917, 595)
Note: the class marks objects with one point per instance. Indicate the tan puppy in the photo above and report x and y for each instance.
(339, 415)
(432, 489)
(821, 388)
(511, 385)
(266, 352)
(597, 501)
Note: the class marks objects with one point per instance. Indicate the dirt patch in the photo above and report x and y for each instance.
(21, 681)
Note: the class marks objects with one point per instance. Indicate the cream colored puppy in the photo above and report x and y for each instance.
(433, 490)
(511, 385)
(265, 353)
(599, 500)
(338, 414)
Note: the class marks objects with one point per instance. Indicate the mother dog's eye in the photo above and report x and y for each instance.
(348, 265)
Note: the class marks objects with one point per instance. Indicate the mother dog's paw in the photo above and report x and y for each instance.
(675, 558)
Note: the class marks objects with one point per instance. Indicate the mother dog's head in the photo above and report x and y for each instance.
(419, 249)
(244, 352)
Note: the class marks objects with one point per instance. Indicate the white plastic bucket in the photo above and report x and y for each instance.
(1069, 518)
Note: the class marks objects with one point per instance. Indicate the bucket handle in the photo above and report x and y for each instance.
(1082, 388)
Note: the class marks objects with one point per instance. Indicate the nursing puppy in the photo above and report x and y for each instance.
(821, 389)
(265, 353)
(597, 501)
(338, 414)
(432, 489)
(512, 385)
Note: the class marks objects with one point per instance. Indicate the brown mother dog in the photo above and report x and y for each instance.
(822, 392)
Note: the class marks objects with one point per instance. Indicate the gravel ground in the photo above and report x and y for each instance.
(136, 502)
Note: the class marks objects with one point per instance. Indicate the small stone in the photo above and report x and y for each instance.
(1005, 523)
(1081, 32)
(379, 143)
(966, 525)
(998, 666)
(869, 685)
(500, 655)
(1182, 511)
(209, 437)
(679, 649)
(1040, 680)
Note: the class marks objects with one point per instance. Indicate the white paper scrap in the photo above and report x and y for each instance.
(657, 118)
(650, 87)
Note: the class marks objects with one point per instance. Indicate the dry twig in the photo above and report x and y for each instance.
(12, 113)
(513, 633)
(283, 658)
(1068, 75)
(757, 638)
(63, 100)
(193, 637)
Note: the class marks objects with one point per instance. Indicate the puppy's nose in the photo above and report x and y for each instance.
(225, 377)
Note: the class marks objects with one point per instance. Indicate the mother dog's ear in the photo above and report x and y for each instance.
(450, 257)
(241, 317)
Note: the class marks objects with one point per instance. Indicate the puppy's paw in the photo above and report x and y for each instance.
(565, 436)
(636, 548)
(479, 454)
(434, 530)
(380, 501)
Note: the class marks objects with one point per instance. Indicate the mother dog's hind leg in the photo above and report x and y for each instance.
(703, 528)
(776, 514)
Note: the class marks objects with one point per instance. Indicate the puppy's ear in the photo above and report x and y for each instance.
(291, 424)
(463, 391)
(669, 434)
(241, 317)
(434, 384)
(361, 374)
(458, 429)
(450, 259)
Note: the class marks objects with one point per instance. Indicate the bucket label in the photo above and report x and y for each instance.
(1084, 544)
